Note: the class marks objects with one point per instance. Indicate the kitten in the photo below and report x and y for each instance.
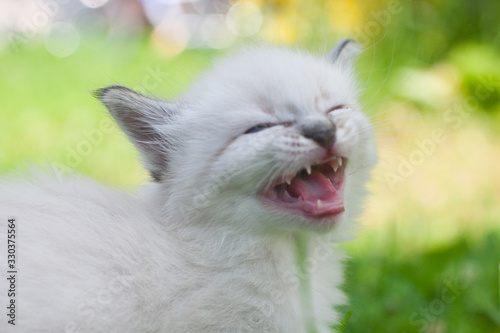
(261, 165)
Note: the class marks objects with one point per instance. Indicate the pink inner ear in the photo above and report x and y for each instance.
(139, 117)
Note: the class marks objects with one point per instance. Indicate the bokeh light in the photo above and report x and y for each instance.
(62, 39)
(172, 36)
(244, 18)
(93, 3)
(214, 33)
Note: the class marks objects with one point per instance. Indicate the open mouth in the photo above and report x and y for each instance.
(315, 191)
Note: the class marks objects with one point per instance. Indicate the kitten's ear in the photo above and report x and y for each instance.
(142, 118)
(344, 52)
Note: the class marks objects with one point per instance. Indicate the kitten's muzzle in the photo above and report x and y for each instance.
(323, 133)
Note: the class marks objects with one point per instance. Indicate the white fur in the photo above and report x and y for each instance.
(197, 251)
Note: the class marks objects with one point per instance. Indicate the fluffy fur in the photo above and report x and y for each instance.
(197, 250)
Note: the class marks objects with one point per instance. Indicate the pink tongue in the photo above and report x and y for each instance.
(313, 187)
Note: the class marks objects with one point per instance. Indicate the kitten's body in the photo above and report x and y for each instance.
(201, 250)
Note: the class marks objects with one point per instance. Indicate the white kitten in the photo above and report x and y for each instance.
(260, 166)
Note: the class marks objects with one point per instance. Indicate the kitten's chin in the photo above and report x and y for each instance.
(315, 192)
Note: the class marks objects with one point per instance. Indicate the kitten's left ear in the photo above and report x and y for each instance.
(143, 119)
(344, 52)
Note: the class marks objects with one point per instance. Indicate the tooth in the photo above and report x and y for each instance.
(319, 204)
(308, 169)
(288, 181)
(335, 168)
(340, 161)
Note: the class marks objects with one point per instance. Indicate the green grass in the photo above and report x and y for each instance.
(47, 111)
(451, 288)
(395, 280)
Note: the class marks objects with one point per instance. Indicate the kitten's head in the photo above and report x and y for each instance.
(269, 139)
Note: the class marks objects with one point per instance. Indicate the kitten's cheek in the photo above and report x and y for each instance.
(345, 145)
(347, 138)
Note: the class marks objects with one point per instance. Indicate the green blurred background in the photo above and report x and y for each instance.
(427, 258)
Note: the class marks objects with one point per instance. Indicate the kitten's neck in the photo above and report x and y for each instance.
(261, 266)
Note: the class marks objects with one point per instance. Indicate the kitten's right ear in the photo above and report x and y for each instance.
(344, 52)
(142, 119)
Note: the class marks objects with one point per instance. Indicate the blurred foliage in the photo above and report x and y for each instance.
(48, 112)
(463, 34)
(435, 26)
(453, 288)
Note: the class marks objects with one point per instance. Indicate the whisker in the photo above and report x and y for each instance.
(267, 178)
(387, 146)
(374, 44)
(386, 137)
(359, 168)
(389, 109)
(388, 72)
(391, 92)
(371, 69)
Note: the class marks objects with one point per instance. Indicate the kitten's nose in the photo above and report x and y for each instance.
(321, 132)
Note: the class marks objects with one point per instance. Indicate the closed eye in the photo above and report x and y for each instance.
(337, 107)
(258, 128)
